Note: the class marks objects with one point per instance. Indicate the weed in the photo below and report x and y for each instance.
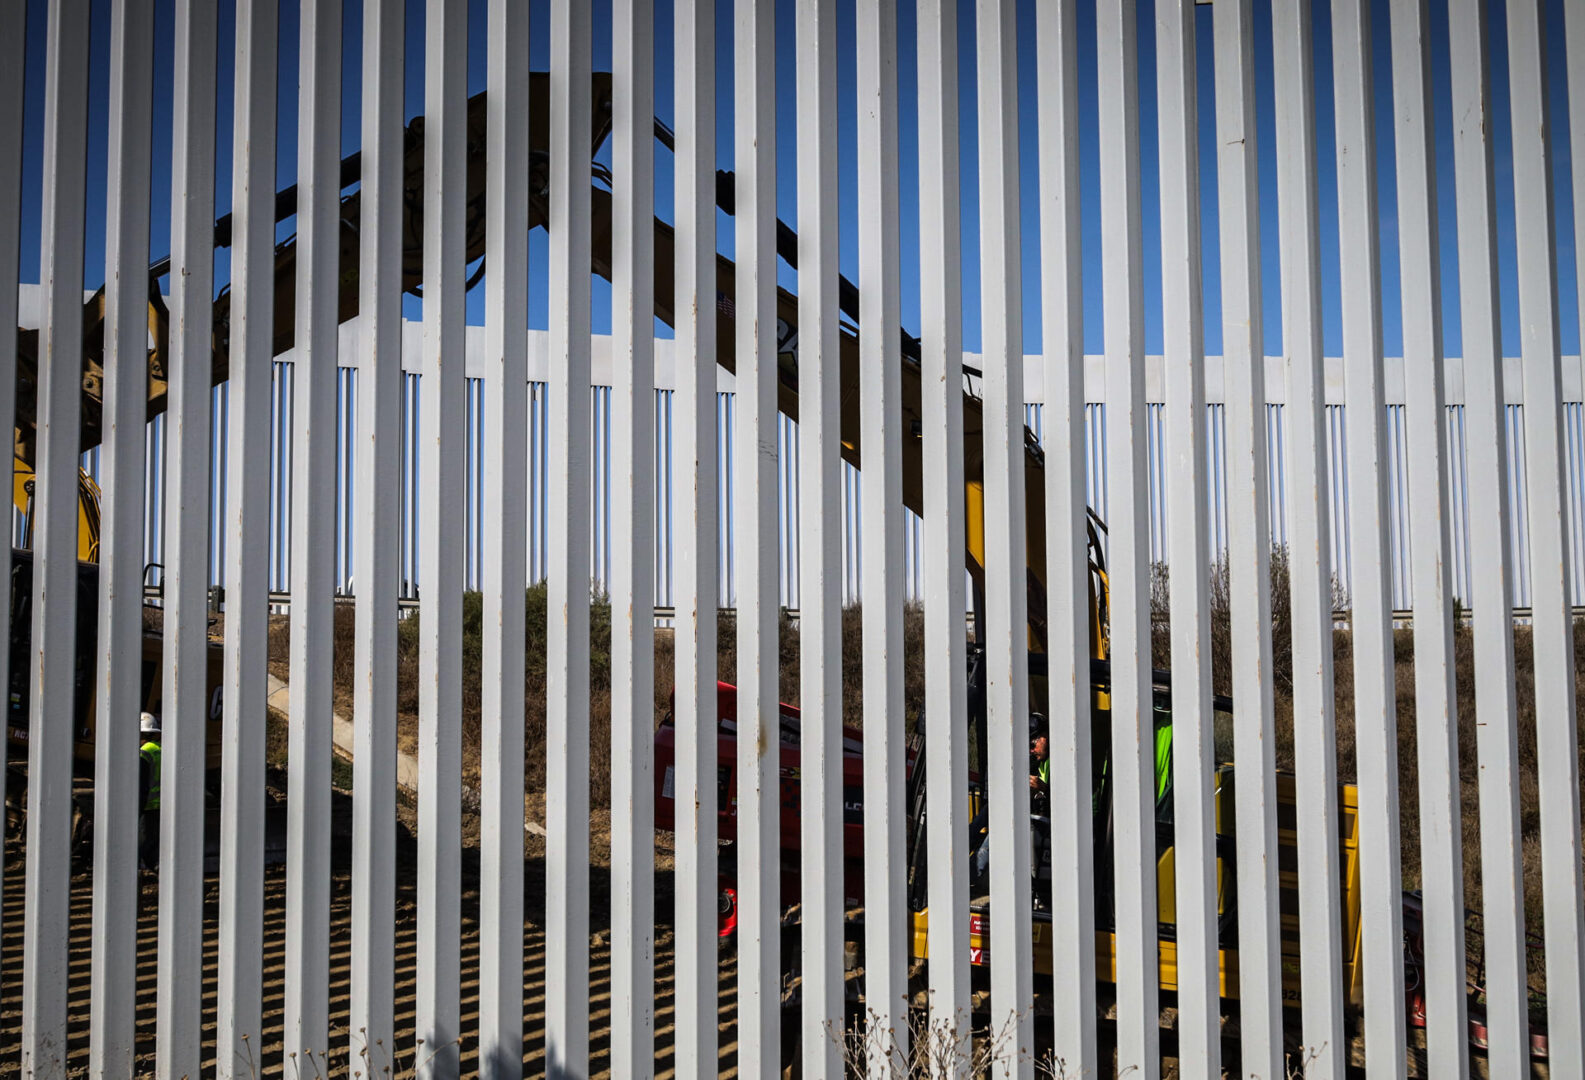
(931, 1047)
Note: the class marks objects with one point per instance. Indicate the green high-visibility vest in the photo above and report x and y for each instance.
(1163, 719)
(1163, 752)
(150, 752)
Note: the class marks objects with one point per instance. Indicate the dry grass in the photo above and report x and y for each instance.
(852, 683)
(932, 1048)
(1407, 741)
(599, 676)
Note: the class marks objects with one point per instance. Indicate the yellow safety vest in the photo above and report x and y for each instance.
(150, 752)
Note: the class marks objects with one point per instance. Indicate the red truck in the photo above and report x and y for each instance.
(726, 795)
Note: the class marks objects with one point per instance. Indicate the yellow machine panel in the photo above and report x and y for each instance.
(1166, 893)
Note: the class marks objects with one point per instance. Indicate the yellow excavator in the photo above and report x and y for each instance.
(85, 685)
(87, 508)
(88, 532)
(788, 388)
(284, 322)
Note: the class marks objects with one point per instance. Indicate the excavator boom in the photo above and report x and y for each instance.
(912, 420)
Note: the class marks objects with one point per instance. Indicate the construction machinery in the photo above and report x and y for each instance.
(979, 919)
(84, 708)
(911, 420)
(22, 483)
(412, 229)
(284, 322)
(85, 684)
(85, 702)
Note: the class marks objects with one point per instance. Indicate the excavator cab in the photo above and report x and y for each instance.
(85, 684)
(1105, 853)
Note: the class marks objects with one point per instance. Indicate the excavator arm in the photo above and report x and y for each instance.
(539, 213)
(285, 320)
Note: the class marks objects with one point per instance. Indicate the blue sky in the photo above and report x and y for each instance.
(97, 72)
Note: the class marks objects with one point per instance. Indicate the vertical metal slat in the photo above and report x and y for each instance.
(820, 538)
(1133, 752)
(946, 693)
(185, 710)
(1490, 543)
(1194, 735)
(505, 527)
(377, 460)
(695, 569)
(51, 743)
(1249, 539)
(307, 1005)
(246, 525)
(1557, 733)
(1370, 584)
(1006, 596)
(113, 980)
(443, 432)
(1067, 560)
(567, 735)
(1427, 505)
(633, 545)
(1314, 721)
(880, 437)
(758, 645)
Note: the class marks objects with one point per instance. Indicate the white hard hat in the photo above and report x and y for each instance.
(149, 724)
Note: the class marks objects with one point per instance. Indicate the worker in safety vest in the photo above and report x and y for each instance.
(1039, 800)
(149, 792)
(1162, 716)
(1040, 786)
(1039, 766)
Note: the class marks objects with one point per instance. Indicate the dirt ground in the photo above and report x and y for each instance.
(270, 1046)
(340, 1063)
(270, 1049)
